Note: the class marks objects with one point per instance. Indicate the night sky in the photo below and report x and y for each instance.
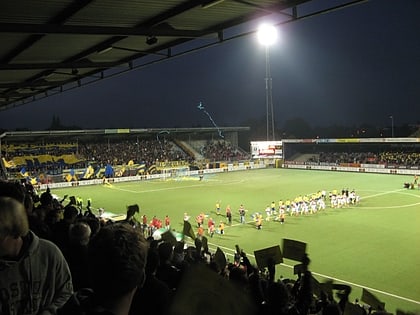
(352, 66)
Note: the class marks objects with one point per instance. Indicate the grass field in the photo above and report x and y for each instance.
(375, 245)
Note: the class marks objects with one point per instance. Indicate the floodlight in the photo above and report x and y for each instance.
(267, 34)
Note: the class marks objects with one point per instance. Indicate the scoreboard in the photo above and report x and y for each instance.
(267, 149)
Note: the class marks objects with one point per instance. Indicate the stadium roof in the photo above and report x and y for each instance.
(49, 46)
(68, 134)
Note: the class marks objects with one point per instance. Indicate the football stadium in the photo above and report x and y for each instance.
(140, 202)
(350, 203)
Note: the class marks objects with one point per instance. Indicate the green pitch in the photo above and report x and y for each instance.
(374, 245)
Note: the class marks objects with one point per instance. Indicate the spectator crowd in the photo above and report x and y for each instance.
(57, 257)
(387, 158)
(222, 150)
(115, 153)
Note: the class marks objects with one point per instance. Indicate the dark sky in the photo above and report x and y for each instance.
(357, 65)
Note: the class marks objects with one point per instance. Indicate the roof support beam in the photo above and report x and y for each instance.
(59, 65)
(45, 29)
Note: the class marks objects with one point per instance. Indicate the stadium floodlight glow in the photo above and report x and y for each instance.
(267, 35)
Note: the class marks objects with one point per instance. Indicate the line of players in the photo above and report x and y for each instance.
(301, 205)
(311, 204)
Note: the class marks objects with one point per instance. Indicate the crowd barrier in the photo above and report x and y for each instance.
(228, 168)
(362, 168)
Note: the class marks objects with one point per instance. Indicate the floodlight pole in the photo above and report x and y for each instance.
(137, 150)
(269, 96)
(392, 126)
(267, 35)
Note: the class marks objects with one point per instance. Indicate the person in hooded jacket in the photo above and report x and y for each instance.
(34, 276)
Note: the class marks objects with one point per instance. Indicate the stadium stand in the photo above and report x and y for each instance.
(52, 159)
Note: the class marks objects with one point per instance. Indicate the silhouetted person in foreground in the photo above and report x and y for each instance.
(117, 259)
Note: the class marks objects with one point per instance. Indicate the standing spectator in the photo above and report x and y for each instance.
(38, 219)
(154, 298)
(117, 259)
(166, 271)
(76, 254)
(34, 276)
(60, 230)
(131, 212)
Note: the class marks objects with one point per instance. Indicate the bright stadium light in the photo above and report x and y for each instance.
(267, 36)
